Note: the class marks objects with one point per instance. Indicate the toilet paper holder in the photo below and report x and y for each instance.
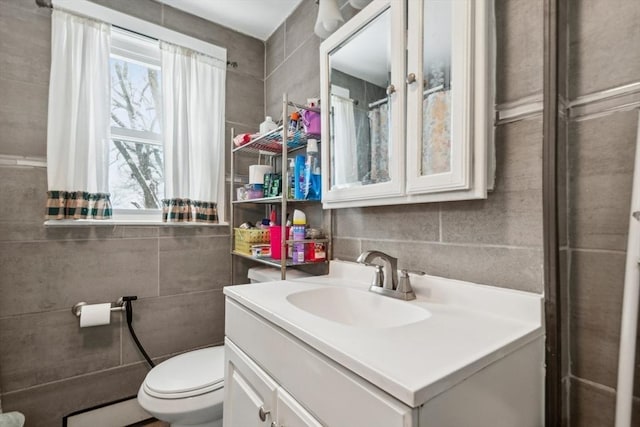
(119, 305)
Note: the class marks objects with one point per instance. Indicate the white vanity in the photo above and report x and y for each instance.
(324, 351)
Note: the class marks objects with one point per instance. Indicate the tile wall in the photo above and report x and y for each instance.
(48, 366)
(599, 140)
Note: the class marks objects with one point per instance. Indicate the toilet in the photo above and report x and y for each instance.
(188, 389)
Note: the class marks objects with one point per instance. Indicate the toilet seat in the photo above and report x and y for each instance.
(189, 374)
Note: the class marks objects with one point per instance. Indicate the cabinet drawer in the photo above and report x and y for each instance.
(333, 394)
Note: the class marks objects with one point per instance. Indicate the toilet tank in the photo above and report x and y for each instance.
(270, 274)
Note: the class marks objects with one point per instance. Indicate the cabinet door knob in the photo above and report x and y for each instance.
(411, 78)
(391, 89)
(262, 414)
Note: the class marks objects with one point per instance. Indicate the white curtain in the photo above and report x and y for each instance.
(78, 118)
(345, 142)
(193, 108)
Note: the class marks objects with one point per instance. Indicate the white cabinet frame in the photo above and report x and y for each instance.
(472, 130)
(472, 89)
(361, 195)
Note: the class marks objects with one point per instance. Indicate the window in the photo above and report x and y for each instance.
(136, 180)
(136, 124)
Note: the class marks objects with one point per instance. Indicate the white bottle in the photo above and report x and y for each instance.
(267, 126)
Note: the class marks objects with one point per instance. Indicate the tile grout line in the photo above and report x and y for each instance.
(286, 58)
(606, 251)
(594, 384)
(437, 243)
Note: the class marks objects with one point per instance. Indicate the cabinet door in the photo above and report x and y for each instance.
(250, 395)
(447, 118)
(362, 81)
(291, 414)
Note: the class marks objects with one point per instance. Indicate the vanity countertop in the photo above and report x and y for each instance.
(469, 327)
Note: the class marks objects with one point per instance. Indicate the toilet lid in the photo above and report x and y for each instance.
(189, 374)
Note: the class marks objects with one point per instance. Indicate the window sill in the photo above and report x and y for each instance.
(116, 222)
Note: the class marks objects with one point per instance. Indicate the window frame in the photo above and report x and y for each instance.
(145, 51)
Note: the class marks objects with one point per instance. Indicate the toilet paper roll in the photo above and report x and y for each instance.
(256, 173)
(95, 315)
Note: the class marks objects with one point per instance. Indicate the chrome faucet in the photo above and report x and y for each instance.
(389, 278)
(385, 280)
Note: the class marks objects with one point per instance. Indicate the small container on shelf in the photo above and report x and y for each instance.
(275, 234)
(254, 191)
(315, 251)
(311, 122)
(298, 232)
(294, 123)
(268, 125)
(246, 238)
(298, 172)
(272, 185)
(261, 250)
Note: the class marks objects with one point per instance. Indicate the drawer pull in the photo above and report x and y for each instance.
(262, 414)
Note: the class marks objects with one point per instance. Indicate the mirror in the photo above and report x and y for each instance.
(436, 96)
(360, 74)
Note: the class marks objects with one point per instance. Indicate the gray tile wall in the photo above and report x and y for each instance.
(603, 41)
(497, 241)
(50, 367)
(291, 60)
(596, 179)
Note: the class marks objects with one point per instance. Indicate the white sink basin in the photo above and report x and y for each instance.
(358, 308)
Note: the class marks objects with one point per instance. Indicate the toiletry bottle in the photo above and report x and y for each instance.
(291, 178)
(267, 126)
(312, 171)
(299, 178)
(289, 237)
(299, 222)
(294, 120)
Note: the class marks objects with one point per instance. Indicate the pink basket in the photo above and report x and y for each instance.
(311, 122)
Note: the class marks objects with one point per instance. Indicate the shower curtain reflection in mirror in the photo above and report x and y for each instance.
(344, 142)
(380, 149)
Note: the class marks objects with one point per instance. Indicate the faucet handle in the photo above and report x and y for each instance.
(404, 272)
(404, 285)
(378, 276)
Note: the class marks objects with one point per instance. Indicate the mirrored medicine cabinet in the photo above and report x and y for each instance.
(407, 103)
